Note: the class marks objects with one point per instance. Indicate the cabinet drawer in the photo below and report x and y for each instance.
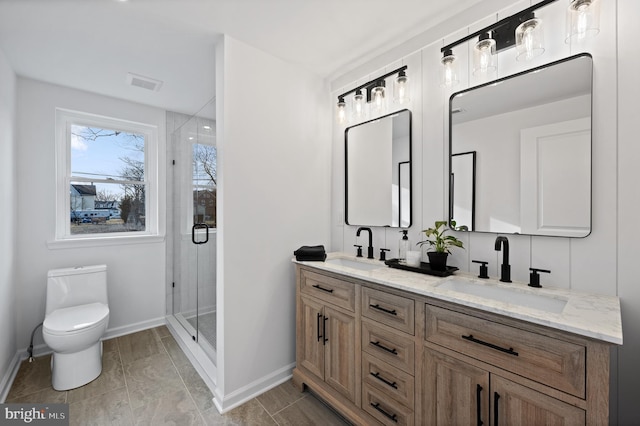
(395, 311)
(391, 346)
(547, 360)
(388, 379)
(331, 290)
(384, 409)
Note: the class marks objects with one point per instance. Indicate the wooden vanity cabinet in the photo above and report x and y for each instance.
(384, 356)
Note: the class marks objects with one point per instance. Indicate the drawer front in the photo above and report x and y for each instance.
(395, 311)
(547, 360)
(391, 346)
(331, 290)
(384, 409)
(388, 379)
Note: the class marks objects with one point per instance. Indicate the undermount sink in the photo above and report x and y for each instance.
(506, 295)
(354, 264)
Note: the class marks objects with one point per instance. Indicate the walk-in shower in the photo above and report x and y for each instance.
(191, 235)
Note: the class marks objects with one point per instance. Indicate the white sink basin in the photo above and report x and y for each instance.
(507, 295)
(354, 264)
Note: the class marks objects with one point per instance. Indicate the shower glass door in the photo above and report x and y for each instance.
(194, 224)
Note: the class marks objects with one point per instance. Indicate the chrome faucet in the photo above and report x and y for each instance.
(505, 275)
(370, 248)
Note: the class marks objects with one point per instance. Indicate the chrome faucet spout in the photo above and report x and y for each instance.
(503, 243)
(370, 248)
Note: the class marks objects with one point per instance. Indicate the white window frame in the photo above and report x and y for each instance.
(64, 120)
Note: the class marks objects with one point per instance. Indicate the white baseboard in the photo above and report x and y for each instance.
(9, 376)
(246, 393)
(133, 328)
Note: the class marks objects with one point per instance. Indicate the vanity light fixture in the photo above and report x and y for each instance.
(583, 19)
(372, 93)
(450, 69)
(483, 55)
(529, 38)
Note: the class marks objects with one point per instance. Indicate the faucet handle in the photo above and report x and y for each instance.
(359, 254)
(383, 255)
(534, 278)
(484, 271)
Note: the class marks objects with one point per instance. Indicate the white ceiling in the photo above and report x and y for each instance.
(92, 44)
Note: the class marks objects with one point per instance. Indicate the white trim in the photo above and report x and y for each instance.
(107, 240)
(10, 376)
(246, 393)
(64, 119)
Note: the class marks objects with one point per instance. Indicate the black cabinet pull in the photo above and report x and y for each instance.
(392, 417)
(479, 404)
(509, 351)
(328, 290)
(384, 348)
(387, 311)
(324, 330)
(496, 397)
(385, 381)
(318, 324)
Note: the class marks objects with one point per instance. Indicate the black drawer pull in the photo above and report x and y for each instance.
(328, 290)
(387, 311)
(384, 348)
(385, 381)
(509, 351)
(392, 417)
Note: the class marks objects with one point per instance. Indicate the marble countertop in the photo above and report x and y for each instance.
(591, 315)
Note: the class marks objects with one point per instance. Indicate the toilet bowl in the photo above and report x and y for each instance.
(77, 315)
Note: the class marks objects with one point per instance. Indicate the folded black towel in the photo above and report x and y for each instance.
(311, 253)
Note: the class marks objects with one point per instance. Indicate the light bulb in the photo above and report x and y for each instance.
(401, 88)
(341, 111)
(483, 55)
(450, 69)
(529, 38)
(378, 97)
(583, 20)
(358, 104)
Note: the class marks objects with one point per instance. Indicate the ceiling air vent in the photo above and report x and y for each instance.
(143, 82)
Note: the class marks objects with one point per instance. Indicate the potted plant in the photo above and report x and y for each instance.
(440, 244)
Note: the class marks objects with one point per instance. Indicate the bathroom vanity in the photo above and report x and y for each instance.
(387, 346)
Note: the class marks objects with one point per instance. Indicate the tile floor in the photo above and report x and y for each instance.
(148, 380)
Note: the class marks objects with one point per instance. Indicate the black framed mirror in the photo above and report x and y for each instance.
(531, 138)
(378, 172)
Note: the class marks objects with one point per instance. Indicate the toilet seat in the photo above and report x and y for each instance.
(76, 319)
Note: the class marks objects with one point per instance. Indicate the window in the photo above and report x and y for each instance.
(204, 184)
(106, 175)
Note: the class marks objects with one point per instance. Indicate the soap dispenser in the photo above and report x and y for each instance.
(403, 246)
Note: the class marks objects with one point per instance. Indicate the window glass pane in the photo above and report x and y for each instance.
(106, 207)
(204, 184)
(106, 154)
(104, 163)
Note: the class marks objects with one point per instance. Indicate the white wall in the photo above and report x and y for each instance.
(273, 196)
(8, 209)
(136, 285)
(601, 263)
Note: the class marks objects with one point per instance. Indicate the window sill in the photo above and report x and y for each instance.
(104, 241)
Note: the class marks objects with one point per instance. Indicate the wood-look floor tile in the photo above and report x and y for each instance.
(248, 414)
(308, 411)
(32, 377)
(175, 408)
(139, 345)
(111, 408)
(151, 378)
(280, 397)
(112, 377)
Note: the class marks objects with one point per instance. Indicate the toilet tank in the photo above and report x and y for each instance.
(76, 286)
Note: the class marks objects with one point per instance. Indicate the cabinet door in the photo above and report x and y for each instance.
(311, 357)
(340, 352)
(454, 392)
(514, 405)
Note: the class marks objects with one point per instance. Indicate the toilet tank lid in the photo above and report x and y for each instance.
(77, 270)
(75, 318)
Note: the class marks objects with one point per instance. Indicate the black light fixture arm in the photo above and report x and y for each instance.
(507, 25)
(372, 83)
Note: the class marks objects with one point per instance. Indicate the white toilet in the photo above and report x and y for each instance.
(77, 314)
